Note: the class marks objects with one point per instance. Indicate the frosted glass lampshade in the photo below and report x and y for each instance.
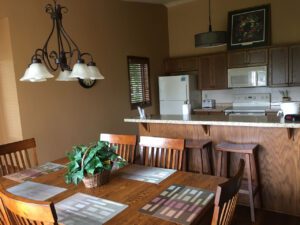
(95, 72)
(36, 72)
(80, 70)
(65, 76)
(26, 77)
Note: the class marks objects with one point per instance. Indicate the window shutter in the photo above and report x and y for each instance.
(139, 84)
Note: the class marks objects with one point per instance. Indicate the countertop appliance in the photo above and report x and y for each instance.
(208, 103)
(247, 77)
(249, 104)
(288, 108)
(174, 91)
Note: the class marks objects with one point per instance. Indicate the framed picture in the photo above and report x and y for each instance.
(249, 27)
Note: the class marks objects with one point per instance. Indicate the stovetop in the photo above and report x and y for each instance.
(247, 109)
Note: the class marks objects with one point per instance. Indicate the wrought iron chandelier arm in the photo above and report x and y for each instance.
(87, 54)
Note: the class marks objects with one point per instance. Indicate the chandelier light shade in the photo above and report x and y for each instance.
(65, 76)
(36, 72)
(95, 72)
(210, 38)
(60, 59)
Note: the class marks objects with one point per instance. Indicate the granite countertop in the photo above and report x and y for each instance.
(219, 120)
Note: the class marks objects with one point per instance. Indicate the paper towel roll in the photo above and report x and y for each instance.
(186, 109)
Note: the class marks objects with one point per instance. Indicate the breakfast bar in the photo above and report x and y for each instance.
(278, 155)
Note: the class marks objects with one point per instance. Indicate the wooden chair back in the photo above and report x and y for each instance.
(125, 144)
(162, 152)
(21, 211)
(17, 156)
(226, 198)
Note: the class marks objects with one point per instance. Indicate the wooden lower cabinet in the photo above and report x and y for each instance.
(278, 157)
(213, 72)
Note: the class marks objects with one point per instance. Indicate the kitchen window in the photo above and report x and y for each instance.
(139, 82)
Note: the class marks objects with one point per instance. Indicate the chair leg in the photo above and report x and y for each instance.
(250, 189)
(219, 164)
(210, 159)
(201, 160)
(258, 181)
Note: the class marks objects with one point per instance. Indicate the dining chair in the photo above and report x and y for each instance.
(226, 198)
(17, 156)
(125, 144)
(20, 211)
(162, 152)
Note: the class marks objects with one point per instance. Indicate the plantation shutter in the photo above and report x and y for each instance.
(139, 84)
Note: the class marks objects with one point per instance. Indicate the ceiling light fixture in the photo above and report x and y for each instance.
(210, 38)
(45, 60)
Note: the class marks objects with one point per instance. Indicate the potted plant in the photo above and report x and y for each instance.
(92, 164)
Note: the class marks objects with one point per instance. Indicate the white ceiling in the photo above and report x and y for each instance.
(167, 3)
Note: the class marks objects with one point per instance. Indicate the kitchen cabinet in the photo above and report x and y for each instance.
(294, 65)
(213, 72)
(278, 66)
(206, 113)
(246, 58)
(184, 64)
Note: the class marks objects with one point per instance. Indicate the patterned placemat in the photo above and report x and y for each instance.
(179, 204)
(84, 209)
(35, 191)
(153, 175)
(29, 174)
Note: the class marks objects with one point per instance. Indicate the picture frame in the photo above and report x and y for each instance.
(249, 27)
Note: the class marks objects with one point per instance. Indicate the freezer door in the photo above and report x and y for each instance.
(174, 88)
(171, 107)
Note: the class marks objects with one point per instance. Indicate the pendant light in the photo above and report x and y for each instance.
(45, 60)
(210, 38)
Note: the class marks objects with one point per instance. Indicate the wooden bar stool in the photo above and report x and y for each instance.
(201, 144)
(249, 151)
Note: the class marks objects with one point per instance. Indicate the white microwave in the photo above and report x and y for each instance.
(247, 77)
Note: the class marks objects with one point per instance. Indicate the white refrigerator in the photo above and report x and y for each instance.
(174, 91)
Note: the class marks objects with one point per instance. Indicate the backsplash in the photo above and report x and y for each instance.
(226, 96)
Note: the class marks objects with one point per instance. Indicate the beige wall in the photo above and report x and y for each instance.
(62, 114)
(191, 18)
(10, 123)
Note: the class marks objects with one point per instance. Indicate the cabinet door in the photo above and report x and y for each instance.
(171, 65)
(176, 65)
(294, 62)
(257, 57)
(278, 66)
(219, 73)
(205, 73)
(237, 59)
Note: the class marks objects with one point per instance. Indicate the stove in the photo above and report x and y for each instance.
(249, 104)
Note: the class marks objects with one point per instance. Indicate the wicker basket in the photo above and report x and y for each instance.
(96, 180)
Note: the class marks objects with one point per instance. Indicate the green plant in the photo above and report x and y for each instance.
(99, 157)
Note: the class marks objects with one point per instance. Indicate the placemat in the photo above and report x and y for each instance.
(84, 209)
(179, 204)
(35, 191)
(29, 174)
(146, 174)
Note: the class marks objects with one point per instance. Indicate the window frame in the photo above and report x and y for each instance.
(145, 102)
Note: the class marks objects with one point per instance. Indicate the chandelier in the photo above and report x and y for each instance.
(45, 60)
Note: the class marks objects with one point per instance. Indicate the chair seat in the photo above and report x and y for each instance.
(237, 148)
(200, 143)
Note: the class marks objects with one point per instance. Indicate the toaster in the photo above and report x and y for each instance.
(208, 103)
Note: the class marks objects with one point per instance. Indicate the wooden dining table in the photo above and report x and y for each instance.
(133, 193)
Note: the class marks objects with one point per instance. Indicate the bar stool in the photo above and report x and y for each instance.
(249, 151)
(201, 144)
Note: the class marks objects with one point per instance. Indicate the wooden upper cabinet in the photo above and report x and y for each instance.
(245, 58)
(278, 66)
(176, 65)
(213, 72)
(294, 65)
